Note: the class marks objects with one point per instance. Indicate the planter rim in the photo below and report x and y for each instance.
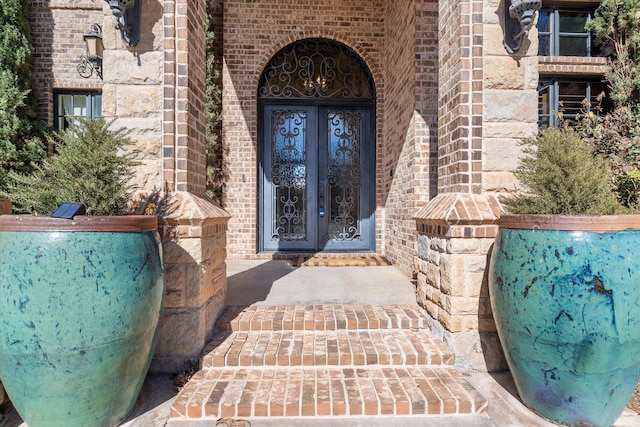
(126, 223)
(601, 224)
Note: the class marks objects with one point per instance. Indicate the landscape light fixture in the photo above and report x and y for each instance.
(518, 19)
(128, 15)
(91, 60)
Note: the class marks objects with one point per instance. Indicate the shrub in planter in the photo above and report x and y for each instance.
(564, 285)
(80, 298)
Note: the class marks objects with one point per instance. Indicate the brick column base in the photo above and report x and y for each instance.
(455, 235)
(194, 238)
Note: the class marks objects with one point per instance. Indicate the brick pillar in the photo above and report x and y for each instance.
(156, 91)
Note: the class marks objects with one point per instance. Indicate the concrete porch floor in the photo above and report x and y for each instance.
(276, 282)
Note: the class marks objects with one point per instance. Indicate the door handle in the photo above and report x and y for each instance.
(321, 202)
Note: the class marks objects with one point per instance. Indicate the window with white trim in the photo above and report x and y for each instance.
(71, 105)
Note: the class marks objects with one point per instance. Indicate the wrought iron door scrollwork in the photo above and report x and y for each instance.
(344, 175)
(317, 68)
(289, 176)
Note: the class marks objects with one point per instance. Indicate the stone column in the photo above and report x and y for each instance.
(156, 91)
(487, 104)
(455, 234)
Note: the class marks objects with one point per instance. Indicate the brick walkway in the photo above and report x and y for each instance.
(329, 360)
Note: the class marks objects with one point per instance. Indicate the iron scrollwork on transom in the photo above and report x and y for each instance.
(289, 176)
(344, 175)
(317, 68)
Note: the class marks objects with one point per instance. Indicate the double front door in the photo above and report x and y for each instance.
(318, 179)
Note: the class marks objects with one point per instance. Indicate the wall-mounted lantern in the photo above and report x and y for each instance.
(91, 60)
(128, 15)
(518, 19)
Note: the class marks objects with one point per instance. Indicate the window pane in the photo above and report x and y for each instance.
(544, 105)
(573, 46)
(80, 105)
(97, 106)
(543, 24)
(573, 22)
(571, 97)
(544, 45)
(66, 104)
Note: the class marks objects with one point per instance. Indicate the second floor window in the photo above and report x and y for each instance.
(561, 33)
(70, 106)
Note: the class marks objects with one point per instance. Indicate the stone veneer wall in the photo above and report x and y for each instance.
(57, 28)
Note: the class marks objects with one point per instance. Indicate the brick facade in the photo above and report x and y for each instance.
(57, 28)
(451, 107)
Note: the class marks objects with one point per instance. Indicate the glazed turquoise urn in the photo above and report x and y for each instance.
(80, 302)
(565, 294)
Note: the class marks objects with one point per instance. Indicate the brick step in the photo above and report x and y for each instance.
(321, 391)
(328, 348)
(322, 317)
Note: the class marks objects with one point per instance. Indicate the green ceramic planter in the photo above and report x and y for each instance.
(565, 294)
(80, 302)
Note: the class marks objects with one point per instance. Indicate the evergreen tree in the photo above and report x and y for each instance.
(21, 143)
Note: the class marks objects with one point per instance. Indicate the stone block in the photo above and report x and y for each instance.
(181, 337)
(452, 275)
(122, 68)
(139, 101)
(461, 306)
(476, 351)
(175, 284)
(464, 246)
(423, 246)
(515, 130)
(500, 182)
(501, 154)
(504, 73)
(511, 105)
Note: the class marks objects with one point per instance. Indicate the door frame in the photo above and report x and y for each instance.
(368, 161)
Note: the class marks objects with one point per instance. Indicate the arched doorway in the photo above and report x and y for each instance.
(317, 150)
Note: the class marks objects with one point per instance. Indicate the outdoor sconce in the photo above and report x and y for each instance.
(128, 15)
(518, 19)
(92, 59)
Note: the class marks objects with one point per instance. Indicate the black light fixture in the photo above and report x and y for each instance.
(128, 14)
(91, 60)
(518, 19)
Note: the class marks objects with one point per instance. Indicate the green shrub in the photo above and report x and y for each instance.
(90, 166)
(563, 177)
(21, 133)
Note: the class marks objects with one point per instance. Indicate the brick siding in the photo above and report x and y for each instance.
(253, 33)
(57, 28)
